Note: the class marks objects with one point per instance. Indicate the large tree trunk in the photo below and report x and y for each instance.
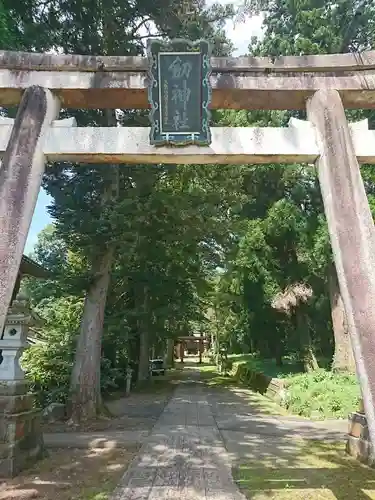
(85, 380)
(307, 354)
(279, 353)
(343, 358)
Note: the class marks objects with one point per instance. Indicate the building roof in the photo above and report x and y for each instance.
(31, 268)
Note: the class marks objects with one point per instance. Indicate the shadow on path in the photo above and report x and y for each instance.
(206, 431)
(284, 457)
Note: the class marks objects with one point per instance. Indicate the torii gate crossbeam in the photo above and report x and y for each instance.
(296, 143)
(237, 83)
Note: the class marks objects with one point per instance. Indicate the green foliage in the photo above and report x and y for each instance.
(319, 395)
(7, 35)
(48, 363)
(295, 27)
(268, 366)
(272, 251)
(164, 225)
(322, 395)
(280, 232)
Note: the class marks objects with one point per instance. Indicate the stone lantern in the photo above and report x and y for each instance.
(21, 436)
(14, 339)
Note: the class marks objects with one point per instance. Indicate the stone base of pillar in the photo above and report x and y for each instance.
(358, 444)
(21, 438)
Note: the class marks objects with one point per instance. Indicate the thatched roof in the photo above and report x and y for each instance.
(292, 297)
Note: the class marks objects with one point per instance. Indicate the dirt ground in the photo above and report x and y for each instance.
(139, 411)
(70, 474)
(92, 474)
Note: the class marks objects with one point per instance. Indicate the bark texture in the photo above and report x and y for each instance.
(343, 358)
(85, 380)
(307, 354)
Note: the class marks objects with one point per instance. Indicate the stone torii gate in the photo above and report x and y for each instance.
(323, 85)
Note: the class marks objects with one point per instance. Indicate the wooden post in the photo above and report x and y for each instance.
(352, 235)
(20, 180)
(182, 347)
(200, 345)
(129, 373)
(169, 355)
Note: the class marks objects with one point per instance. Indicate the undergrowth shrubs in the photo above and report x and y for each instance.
(322, 394)
(319, 395)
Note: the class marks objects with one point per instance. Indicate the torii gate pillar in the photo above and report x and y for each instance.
(352, 234)
(20, 180)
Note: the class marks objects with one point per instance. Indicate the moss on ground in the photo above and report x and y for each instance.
(306, 471)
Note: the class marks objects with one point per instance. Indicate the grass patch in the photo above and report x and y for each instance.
(268, 366)
(308, 471)
(207, 370)
(319, 395)
(322, 394)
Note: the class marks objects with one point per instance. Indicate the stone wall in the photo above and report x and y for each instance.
(21, 439)
(274, 388)
(358, 443)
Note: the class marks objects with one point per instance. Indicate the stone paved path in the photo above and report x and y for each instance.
(205, 431)
(184, 458)
(87, 440)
